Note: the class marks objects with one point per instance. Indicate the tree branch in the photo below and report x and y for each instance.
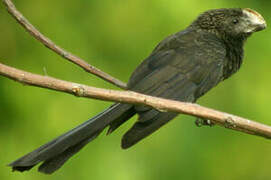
(52, 46)
(164, 105)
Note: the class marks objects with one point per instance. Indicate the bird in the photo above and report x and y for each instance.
(183, 67)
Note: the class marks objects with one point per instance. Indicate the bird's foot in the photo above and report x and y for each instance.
(204, 122)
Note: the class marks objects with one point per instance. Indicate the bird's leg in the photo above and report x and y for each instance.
(204, 122)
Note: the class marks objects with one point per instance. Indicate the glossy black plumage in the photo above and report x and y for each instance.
(182, 67)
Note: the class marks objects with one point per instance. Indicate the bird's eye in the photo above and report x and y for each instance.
(235, 21)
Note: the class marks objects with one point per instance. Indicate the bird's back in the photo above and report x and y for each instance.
(182, 67)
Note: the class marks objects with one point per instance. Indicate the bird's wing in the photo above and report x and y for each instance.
(183, 67)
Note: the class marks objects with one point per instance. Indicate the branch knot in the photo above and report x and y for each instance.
(229, 123)
(78, 90)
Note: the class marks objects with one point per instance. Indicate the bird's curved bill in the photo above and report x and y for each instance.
(255, 21)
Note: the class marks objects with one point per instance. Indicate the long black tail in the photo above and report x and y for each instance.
(56, 152)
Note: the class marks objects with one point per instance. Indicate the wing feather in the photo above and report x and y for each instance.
(184, 72)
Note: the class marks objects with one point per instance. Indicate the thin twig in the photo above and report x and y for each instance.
(220, 118)
(52, 46)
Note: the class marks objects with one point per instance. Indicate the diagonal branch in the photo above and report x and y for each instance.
(217, 117)
(52, 46)
(220, 118)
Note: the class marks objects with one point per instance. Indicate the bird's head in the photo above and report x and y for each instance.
(232, 22)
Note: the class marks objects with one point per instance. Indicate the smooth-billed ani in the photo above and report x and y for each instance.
(182, 67)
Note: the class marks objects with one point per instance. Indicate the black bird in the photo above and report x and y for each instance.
(182, 67)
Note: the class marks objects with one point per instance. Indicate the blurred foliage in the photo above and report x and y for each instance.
(116, 36)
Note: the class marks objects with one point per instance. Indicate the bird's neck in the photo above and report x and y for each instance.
(234, 51)
(234, 55)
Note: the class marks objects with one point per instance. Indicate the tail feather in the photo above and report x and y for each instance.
(51, 165)
(144, 128)
(55, 153)
(118, 122)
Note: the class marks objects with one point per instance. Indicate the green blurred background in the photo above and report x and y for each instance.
(116, 36)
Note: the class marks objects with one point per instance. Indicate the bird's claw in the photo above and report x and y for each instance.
(204, 122)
